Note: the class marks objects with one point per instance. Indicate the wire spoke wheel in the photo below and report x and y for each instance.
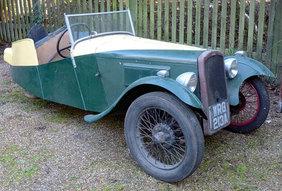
(164, 136)
(160, 138)
(253, 107)
(248, 107)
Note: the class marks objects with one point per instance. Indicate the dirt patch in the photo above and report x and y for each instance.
(48, 146)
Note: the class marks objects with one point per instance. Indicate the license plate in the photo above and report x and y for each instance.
(219, 115)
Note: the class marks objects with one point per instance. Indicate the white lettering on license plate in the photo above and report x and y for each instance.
(219, 114)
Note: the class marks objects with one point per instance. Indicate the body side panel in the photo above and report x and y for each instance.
(80, 87)
(121, 68)
(59, 83)
(28, 78)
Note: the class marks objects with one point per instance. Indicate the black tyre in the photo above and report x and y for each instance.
(253, 107)
(164, 136)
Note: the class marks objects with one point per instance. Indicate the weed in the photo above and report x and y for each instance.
(36, 158)
(54, 130)
(21, 161)
(258, 175)
(17, 96)
(18, 165)
(226, 165)
(241, 168)
(59, 118)
(30, 171)
(107, 188)
(118, 187)
(73, 177)
(241, 171)
(208, 164)
(5, 83)
(35, 105)
(2, 101)
(90, 170)
(6, 159)
(165, 188)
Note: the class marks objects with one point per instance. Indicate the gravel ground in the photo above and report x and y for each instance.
(48, 146)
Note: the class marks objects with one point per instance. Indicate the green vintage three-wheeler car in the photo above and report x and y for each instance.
(173, 94)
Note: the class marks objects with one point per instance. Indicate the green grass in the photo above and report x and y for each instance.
(53, 130)
(5, 83)
(116, 187)
(60, 118)
(15, 95)
(73, 177)
(29, 172)
(19, 165)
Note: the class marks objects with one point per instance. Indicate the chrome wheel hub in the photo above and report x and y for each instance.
(162, 133)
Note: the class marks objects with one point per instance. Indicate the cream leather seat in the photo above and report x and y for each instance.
(22, 53)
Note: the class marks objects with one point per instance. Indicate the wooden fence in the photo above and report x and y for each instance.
(227, 25)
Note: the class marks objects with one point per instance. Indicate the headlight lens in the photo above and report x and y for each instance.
(189, 80)
(231, 67)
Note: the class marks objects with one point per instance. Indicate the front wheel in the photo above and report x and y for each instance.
(253, 107)
(164, 136)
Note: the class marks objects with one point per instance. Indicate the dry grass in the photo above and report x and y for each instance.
(47, 146)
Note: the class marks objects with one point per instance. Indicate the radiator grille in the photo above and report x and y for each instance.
(213, 91)
(215, 79)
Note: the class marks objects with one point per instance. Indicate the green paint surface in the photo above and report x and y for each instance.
(28, 78)
(91, 85)
(59, 83)
(101, 80)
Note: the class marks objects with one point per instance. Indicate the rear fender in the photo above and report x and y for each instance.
(166, 83)
(248, 67)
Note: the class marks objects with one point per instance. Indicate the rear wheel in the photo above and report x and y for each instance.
(253, 107)
(164, 136)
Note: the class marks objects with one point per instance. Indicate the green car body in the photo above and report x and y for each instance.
(129, 70)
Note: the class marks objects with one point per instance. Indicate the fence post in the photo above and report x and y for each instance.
(277, 42)
(278, 18)
(279, 67)
(35, 6)
(133, 10)
(279, 61)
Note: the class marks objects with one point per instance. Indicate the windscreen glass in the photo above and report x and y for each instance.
(91, 24)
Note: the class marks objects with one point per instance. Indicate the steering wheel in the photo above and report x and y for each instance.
(60, 50)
